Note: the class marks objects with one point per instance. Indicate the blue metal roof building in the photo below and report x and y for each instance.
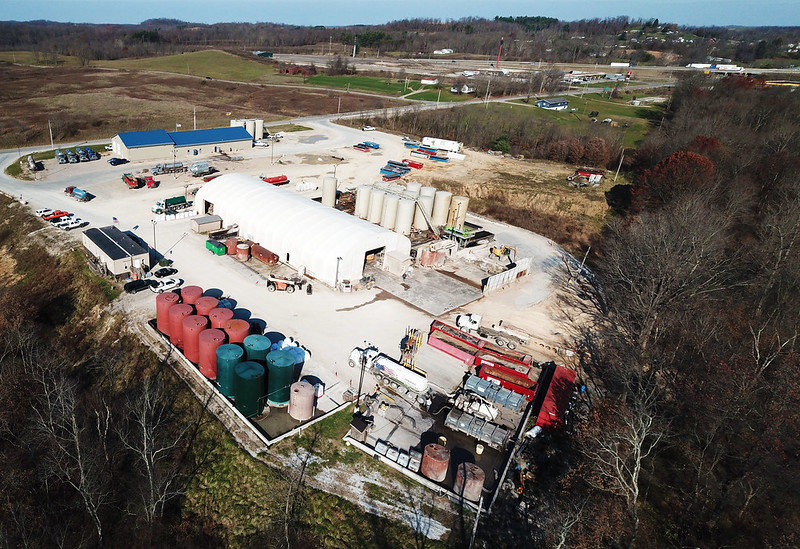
(194, 138)
(160, 144)
(145, 139)
(553, 104)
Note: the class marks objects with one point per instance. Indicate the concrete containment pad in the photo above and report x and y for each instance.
(431, 291)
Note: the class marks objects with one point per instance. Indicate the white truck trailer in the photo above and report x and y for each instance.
(392, 374)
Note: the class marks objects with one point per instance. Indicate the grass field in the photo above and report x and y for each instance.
(212, 63)
(32, 58)
(361, 83)
(446, 97)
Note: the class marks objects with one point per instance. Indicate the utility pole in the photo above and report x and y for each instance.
(50, 127)
(339, 108)
(621, 156)
(195, 118)
(438, 97)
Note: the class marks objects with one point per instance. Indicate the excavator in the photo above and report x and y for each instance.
(504, 251)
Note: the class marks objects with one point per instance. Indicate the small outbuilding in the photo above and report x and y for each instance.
(553, 103)
(114, 252)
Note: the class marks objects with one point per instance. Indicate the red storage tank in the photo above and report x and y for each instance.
(242, 252)
(237, 329)
(219, 317)
(176, 315)
(469, 480)
(230, 245)
(209, 340)
(192, 326)
(426, 258)
(164, 303)
(435, 460)
(205, 305)
(263, 254)
(191, 294)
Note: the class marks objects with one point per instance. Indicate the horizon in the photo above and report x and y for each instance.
(310, 13)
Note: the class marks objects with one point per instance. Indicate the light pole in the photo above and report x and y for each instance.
(336, 280)
(438, 97)
(155, 253)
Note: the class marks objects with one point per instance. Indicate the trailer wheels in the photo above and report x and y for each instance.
(500, 341)
(511, 345)
(352, 363)
(270, 287)
(290, 289)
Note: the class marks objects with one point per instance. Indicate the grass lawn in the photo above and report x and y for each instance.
(213, 64)
(361, 83)
(446, 97)
(31, 58)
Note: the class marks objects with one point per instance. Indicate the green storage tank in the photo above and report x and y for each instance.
(249, 382)
(228, 356)
(280, 366)
(257, 346)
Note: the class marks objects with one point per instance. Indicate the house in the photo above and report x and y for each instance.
(553, 104)
(462, 88)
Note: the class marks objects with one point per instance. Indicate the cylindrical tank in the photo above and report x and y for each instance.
(405, 216)
(424, 203)
(362, 201)
(219, 317)
(412, 187)
(427, 191)
(206, 304)
(301, 401)
(263, 254)
(458, 212)
(237, 329)
(228, 356)
(248, 384)
(176, 315)
(257, 346)
(164, 303)
(230, 245)
(329, 185)
(469, 481)
(250, 126)
(192, 326)
(209, 341)
(441, 207)
(190, 294)
(435, 460)
(426, 258)
(397, 189)
(243, 252)
(381, 185)
(259, 129)
(389, 215)
(375, 206)
(280, 365)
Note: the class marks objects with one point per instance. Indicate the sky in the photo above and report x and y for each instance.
(352, 12)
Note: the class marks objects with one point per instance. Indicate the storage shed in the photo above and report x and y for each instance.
(206, 223)
(330, 245)
(115, 252)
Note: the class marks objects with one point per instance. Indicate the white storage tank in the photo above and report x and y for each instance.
(250, 126)
(398, 189)
(362, 201)
(259, 129)
(441, 207)
(381, 185)
(405, 216)
(329, 185)
(412, 187)
(458, 212)
(237, 123)
(389, 217)
(375, 206)
(424, 203)
(427, 191)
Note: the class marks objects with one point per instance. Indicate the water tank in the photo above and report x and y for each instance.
(389, 215)
(427, 191)
(381, 185)
(209, 341)
(219, 317)
(441, 207)
(469, 481)
(228, 356)
(243, 252)
(375, 206)
(164, 303)
(192, 326)
(237, 329)
(435, 460)
(458, 212)
(256, 347)
(412, 188)
(259, 129)
(176, 315)
(248, 384)
(397, 189)
(190, 294)
(329, 185)
(362, 201)
(280, 365)
(405, 216)
(424, 203)
(301, 401)
(250, 126)
(230, 245)
(205, 305)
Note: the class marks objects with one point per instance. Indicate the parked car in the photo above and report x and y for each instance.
(75, 223)
(41, 212)
(136, 286)
(165, 285)
(165, 271)
(367, 129)
(260, 143)
(62, 222)
(109, 147)
(117, 161)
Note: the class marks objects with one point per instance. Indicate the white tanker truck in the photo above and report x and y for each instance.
(392, 374)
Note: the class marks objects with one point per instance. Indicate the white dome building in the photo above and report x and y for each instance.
(331, 245)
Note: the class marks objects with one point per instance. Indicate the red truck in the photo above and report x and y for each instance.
(132, 181)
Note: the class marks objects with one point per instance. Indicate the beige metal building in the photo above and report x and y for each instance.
(115, 252)
(181, 146)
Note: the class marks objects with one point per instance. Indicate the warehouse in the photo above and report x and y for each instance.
(114, 252)
(329, 245)
(163, 145)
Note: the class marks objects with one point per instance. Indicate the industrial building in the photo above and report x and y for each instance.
(163, 145)
(553, 104)
(325, 243)
(114, 252)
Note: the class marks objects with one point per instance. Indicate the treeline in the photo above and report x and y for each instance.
(528, 38)
(687, 433)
